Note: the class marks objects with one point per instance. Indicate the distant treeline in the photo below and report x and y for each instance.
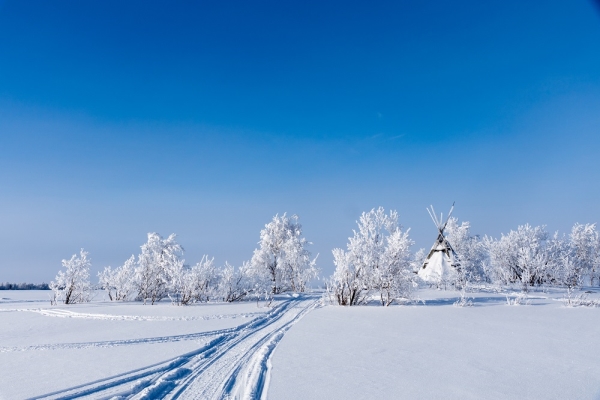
(24, 286)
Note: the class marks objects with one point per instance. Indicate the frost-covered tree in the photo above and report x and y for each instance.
(158, 262)
(377, 260)
(519, 256)
(283, 258)
(530, 256)
(105, 279)
(559, 268)
(298, 264)
(469, 250)
(119, 282)
(574, 258)
(394, 279)
(418, 259)
(585, 244)
(204, 277)
(348, 284)
(235, 284)
(177, 282)
(195, 284)
(73, 284)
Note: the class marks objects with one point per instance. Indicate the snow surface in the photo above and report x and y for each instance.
(100, 350)
(438, 351)
(299, 349)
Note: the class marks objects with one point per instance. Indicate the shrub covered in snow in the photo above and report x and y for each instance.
(119, 283)
(283, 259)
(235, 284)
(519, 256)
(377, 262)
(195, 284)
(531, 256)
(282, 263)
(585, 248)
(73, 284)
(469, 250)
(159, 261)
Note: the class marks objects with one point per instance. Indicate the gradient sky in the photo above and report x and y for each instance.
(207, 118)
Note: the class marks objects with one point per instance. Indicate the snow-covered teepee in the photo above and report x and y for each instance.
(441, 262)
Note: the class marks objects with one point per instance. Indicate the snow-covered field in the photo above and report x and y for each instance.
(299, 349)
(104, 349)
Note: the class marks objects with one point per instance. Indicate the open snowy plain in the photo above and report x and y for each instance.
(300, 348)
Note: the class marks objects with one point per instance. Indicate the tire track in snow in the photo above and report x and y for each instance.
(137, 379)
(234, 364)
(115, 343)
(239, 368)
(127, 342)
(73, 314)
(251, 376)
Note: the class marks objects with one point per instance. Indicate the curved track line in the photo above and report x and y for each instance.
(233, 364)
(250, 379)
(127, 342)
(60, 313)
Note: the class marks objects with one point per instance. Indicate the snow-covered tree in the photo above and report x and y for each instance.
(119, 283)
(469, 251)
(559, 268)
(585, 243)
(105, 278)
(283, 258)
(519, 256)
(177, 282)
(378, 260)
(159, 261)
(195, 284)
(530, 256)
(73, 284)
(234, 285)
(418, 259)
(349, 283)
(394, 279)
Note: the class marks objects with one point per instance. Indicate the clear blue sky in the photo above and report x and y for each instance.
(208, 118)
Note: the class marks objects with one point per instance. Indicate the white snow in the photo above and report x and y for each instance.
(300, 349)
(438, 351)
(46, 348)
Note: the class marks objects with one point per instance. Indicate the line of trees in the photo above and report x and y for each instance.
(531, 256)
(24, 286)
(528, 256)
(281, 263)
(377, 264)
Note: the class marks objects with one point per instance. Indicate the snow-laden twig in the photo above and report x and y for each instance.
(580, 300)
(520, 299)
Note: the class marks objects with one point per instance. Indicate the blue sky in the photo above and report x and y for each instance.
(208, 118)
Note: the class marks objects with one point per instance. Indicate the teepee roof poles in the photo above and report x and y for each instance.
(438, 222)
(448, 217)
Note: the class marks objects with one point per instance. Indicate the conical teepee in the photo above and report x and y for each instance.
(441, 262)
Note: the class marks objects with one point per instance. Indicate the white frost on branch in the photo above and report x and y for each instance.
(119, 283)
(377, 261)
(158, 262)
(73, 284)
(283, 261)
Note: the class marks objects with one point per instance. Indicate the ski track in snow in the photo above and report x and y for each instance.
(233, 364)
(73, 314)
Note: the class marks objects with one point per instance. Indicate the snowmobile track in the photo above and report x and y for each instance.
(233, 364)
